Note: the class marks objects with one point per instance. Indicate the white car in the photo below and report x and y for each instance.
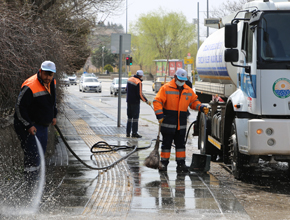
(88, 75)
(65, 81)
(88, 84)
(73, 79)
(114, 88)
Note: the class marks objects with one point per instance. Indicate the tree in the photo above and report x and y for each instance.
(161, 35)
(36, 30)
(227, 8)
(73, 18)
(109, 58)
(109, 68)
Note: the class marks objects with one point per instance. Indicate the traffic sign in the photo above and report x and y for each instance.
(188, 60)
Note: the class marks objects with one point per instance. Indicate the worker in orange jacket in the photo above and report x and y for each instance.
(170, 106)
(35, 110)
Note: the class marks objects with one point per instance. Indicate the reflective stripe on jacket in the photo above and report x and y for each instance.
(35, 104)
(134, 90)
(172, 106)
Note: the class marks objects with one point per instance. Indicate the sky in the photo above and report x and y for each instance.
(187, 7)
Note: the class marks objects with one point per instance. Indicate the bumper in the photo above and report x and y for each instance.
(92, 89)
(277, 143)
(123, 90)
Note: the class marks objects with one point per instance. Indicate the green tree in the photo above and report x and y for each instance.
(109, 68)
(161, 35)
(109, 58)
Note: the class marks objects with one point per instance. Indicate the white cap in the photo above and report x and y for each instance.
(181, 74)
(48, 66)
(139, 73)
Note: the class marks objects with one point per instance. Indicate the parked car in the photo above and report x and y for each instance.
(73, 79)
(88, 84)
(65, 81)
(160, 81)
(114, 88)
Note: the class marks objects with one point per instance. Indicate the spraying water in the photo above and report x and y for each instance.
(40, 186)
(37, 191)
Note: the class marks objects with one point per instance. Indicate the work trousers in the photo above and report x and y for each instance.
(179, 142)
(28, 144)
(133, 111)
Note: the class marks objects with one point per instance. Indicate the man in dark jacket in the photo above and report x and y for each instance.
(134, 94)
(35, 110)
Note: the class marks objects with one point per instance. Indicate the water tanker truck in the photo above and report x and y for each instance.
(244, 69)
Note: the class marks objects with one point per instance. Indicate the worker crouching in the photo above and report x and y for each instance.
(170, 106)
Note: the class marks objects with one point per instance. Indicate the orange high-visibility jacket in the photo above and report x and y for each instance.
(35, 104)
(172, 105)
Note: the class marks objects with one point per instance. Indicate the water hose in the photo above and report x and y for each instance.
(104, 145)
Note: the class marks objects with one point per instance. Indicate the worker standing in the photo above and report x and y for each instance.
(134, 95)
(35, 110)
(170, 106)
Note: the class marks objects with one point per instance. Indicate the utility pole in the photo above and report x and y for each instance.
(103, 47)
(126, 16)
(197, 25)
(207, 29)
(120, 81)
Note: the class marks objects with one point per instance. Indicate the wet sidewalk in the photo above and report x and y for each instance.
(129, 190)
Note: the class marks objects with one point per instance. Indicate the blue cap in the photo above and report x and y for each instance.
(181, 74)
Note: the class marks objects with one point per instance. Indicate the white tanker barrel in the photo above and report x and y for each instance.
(210, 64)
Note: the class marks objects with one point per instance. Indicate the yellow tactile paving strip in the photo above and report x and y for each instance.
(113, 194)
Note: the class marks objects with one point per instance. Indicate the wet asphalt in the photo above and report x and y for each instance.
(128, 190)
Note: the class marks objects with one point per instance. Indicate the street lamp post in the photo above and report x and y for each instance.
(207, 28)
(103, 47)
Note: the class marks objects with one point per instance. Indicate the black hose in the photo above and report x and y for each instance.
(105, 145)
(188, 131)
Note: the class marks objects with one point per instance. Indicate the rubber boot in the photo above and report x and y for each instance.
(163, 168)
(136, 135)
(181, 167)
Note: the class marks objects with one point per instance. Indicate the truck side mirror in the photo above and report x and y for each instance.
(231, 55)
(231, 36)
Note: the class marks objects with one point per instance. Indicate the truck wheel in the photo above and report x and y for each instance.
(238, 160)
(204, 145)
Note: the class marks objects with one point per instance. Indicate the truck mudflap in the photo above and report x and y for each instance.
(268, 136)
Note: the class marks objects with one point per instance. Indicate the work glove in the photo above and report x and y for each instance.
(204, 109)
(160, 120)
(148, 102)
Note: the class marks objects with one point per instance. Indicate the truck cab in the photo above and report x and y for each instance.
(254, 121)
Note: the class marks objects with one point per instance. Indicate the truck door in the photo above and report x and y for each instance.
(275, 92)
(273, 64)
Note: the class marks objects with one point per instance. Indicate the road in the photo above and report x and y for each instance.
(264, 195)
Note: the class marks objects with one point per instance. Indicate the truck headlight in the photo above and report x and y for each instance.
(271, 142)
(269, 131)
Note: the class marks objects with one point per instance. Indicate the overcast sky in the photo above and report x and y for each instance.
(187, 7)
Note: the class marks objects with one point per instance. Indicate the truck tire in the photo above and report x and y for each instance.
(238, 160)
(204, 145)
